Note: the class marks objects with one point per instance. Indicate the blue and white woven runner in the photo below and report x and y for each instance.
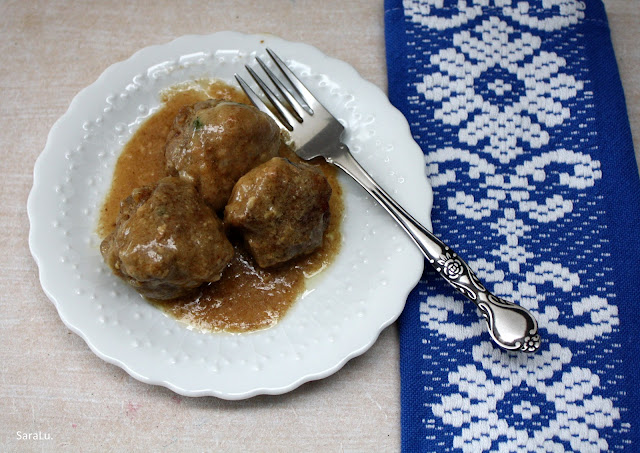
(518, 107)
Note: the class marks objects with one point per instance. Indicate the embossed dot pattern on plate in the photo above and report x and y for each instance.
(346, 306)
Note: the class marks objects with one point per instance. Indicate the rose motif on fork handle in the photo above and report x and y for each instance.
(452, 266)
(458, 273)
(511, 326)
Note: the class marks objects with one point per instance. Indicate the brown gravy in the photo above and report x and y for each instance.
(247, 297)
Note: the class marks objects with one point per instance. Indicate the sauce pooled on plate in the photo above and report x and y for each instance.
(247, 297)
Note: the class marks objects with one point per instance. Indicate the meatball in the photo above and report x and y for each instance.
(282, 210)
(213, 143)
(167, 241)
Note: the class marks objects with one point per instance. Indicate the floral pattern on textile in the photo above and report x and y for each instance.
(500, 97)
(527, 96)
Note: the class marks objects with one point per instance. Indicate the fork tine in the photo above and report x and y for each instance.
(302, 90)
(282, 110)
(293, 102)
(260, 105)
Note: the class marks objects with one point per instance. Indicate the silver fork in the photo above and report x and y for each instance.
(316, 132)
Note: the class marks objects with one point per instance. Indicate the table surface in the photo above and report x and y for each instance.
(52, 383)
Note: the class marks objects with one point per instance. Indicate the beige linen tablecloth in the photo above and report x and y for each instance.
(51, 383)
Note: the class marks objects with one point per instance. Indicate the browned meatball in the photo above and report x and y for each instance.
(282, 210)
(213, 143)
(167, 241)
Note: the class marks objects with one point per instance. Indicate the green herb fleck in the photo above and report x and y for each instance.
(197, 124)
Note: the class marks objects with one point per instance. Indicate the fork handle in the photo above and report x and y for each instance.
(511, 326)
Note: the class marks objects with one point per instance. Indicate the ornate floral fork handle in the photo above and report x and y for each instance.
(511, 326)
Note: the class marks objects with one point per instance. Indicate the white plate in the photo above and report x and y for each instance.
(344, 309)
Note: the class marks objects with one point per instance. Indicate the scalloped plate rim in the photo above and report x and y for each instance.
(49, 153)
